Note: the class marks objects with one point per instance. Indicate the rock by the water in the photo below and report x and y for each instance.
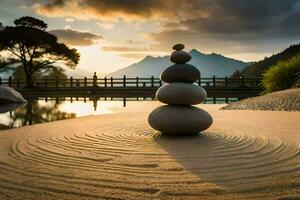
(179, 120)
(181, 93)
(178, 47)
(180, 57)
(180, 73)
(10, 106)
(10, 95)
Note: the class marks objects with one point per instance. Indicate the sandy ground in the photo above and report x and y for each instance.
(285, 100)
(244, 155)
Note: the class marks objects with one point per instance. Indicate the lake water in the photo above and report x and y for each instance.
(47, 110)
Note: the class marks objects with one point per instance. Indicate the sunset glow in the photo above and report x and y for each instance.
(110, 35)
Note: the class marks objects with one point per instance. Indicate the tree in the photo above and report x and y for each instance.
(283, 75)
(33, 48)
(55, 72)
(258, 68)
(237, 74)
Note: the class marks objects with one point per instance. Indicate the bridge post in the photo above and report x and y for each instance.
(71, 81)
(214, 100)
(85, 81)
(214, 81)
(46, 82)
(124, 101)
(105, 81)
(242, 81)
(226, 81)
(152, 81)
(95, 80)
(9, 81)
(0, 81)
(124, 81)
(160, 83)
(137, 81)
(112, 82)
(56, 82)
(199, 81)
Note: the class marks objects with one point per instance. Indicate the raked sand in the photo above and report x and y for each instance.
(244, 155)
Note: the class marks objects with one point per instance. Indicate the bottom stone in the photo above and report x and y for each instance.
(179, 120)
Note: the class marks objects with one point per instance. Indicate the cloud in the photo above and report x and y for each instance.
(133, 42)
(133, 55)
(69, 19)
(124, 49)
(202, 16)
(86, 9)
(234, 25)
(106, 25)
(225, 26)
(75, 38)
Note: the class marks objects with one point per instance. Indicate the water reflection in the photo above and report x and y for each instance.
(43, 110)
(33, 112)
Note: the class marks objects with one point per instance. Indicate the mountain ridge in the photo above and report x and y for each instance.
(208, 64)
(258, 68)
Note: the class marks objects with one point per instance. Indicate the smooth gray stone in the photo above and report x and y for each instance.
(178, 46)
(10, 106)
(179, 120)
(181, 93)
(180, 73)
(180, 57)
(10, 95)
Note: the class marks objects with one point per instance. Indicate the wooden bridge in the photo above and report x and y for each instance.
(239, 87)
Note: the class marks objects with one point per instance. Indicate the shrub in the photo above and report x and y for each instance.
(283, 75)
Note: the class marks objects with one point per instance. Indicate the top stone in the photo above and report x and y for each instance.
(178, 47)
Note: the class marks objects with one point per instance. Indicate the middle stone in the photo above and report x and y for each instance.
(181, 94)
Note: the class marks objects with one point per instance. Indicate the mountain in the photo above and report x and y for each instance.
(77, 73)
(208, 64)
(257, 68)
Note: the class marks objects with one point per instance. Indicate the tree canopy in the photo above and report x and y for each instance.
(31, 22)
(29, 45)
(258, 68)
(283, 75)
(237, 74)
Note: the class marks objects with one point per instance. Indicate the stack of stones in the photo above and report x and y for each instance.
(178, 117)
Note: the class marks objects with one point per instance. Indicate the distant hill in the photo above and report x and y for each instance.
(75, 73)
(208, 64)
(257, 68)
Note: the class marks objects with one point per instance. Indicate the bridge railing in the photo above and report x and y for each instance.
(136, 82)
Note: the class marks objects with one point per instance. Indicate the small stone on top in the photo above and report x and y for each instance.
(178, 47)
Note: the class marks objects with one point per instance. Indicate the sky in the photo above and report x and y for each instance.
(111, 34)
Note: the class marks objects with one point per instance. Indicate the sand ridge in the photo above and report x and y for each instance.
(118, 156)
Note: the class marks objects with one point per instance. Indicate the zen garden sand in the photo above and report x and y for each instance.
(242, 155)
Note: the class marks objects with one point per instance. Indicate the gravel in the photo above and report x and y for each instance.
(286, 100)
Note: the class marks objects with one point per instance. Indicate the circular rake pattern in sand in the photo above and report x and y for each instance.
(137, 163)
